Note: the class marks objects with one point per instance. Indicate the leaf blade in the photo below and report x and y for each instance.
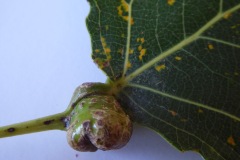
(179, 70)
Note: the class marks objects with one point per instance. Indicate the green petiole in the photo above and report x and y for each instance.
(52, 122)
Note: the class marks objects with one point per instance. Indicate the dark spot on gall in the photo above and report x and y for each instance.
(85, 144)
(11, 130)
(66, 121)
(99, 113)
(86, 125)
(100, 122)
(48, 122)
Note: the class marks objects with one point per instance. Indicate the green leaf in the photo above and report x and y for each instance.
(175, 66)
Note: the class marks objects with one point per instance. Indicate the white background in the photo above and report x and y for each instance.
(44, 55)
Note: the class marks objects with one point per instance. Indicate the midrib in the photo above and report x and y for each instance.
(180, 45)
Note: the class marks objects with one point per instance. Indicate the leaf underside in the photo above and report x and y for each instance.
(180, 60)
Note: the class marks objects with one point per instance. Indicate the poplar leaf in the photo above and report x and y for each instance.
(174, 65)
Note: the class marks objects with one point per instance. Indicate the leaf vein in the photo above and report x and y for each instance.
(169, 124)
(128, 38)
(209, 69)
(100, 32)
(183, 19)
(181, 44)
(185, 101)
(220, 6)
(220, 41)
(156, 29)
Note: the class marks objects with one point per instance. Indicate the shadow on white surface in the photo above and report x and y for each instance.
(52, 145)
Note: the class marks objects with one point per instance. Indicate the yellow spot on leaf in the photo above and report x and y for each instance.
(210, 46)
(123, 35)
(173, 113)
(200, 110)
(129, 65)
(131, 51)
(142, 53)
(102, 39)
(97, 50)
(106, 49)
(160, 67)
(231, 141)
(178, 58)
(236, 73)
(227, 15)
(101, 62)
(171, 2)
(124, 7)
(132, 22)
(120, 51)
(142, 40)
(103, 42)
(125, 18)
(106, 27)
(140, 48)
(120, 11)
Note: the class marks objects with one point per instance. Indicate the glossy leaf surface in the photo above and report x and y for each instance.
(177, 67)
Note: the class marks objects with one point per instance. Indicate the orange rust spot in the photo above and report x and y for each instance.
(173, 113)
(142, 40)
(171, 2)
(160, 67)
(142, 53)
(231, 141)
(200, 110)
(140, 48)
(103, 42)
(97, 50)
(132, 22)
(120, 51)
(210, 46)
(227, 15)
(102, 63)
(124, 7)
(129, 65)
(125, 18)
(120, 11)
(107, 50)
(102, 39)
(131, 51)
(178, 58)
